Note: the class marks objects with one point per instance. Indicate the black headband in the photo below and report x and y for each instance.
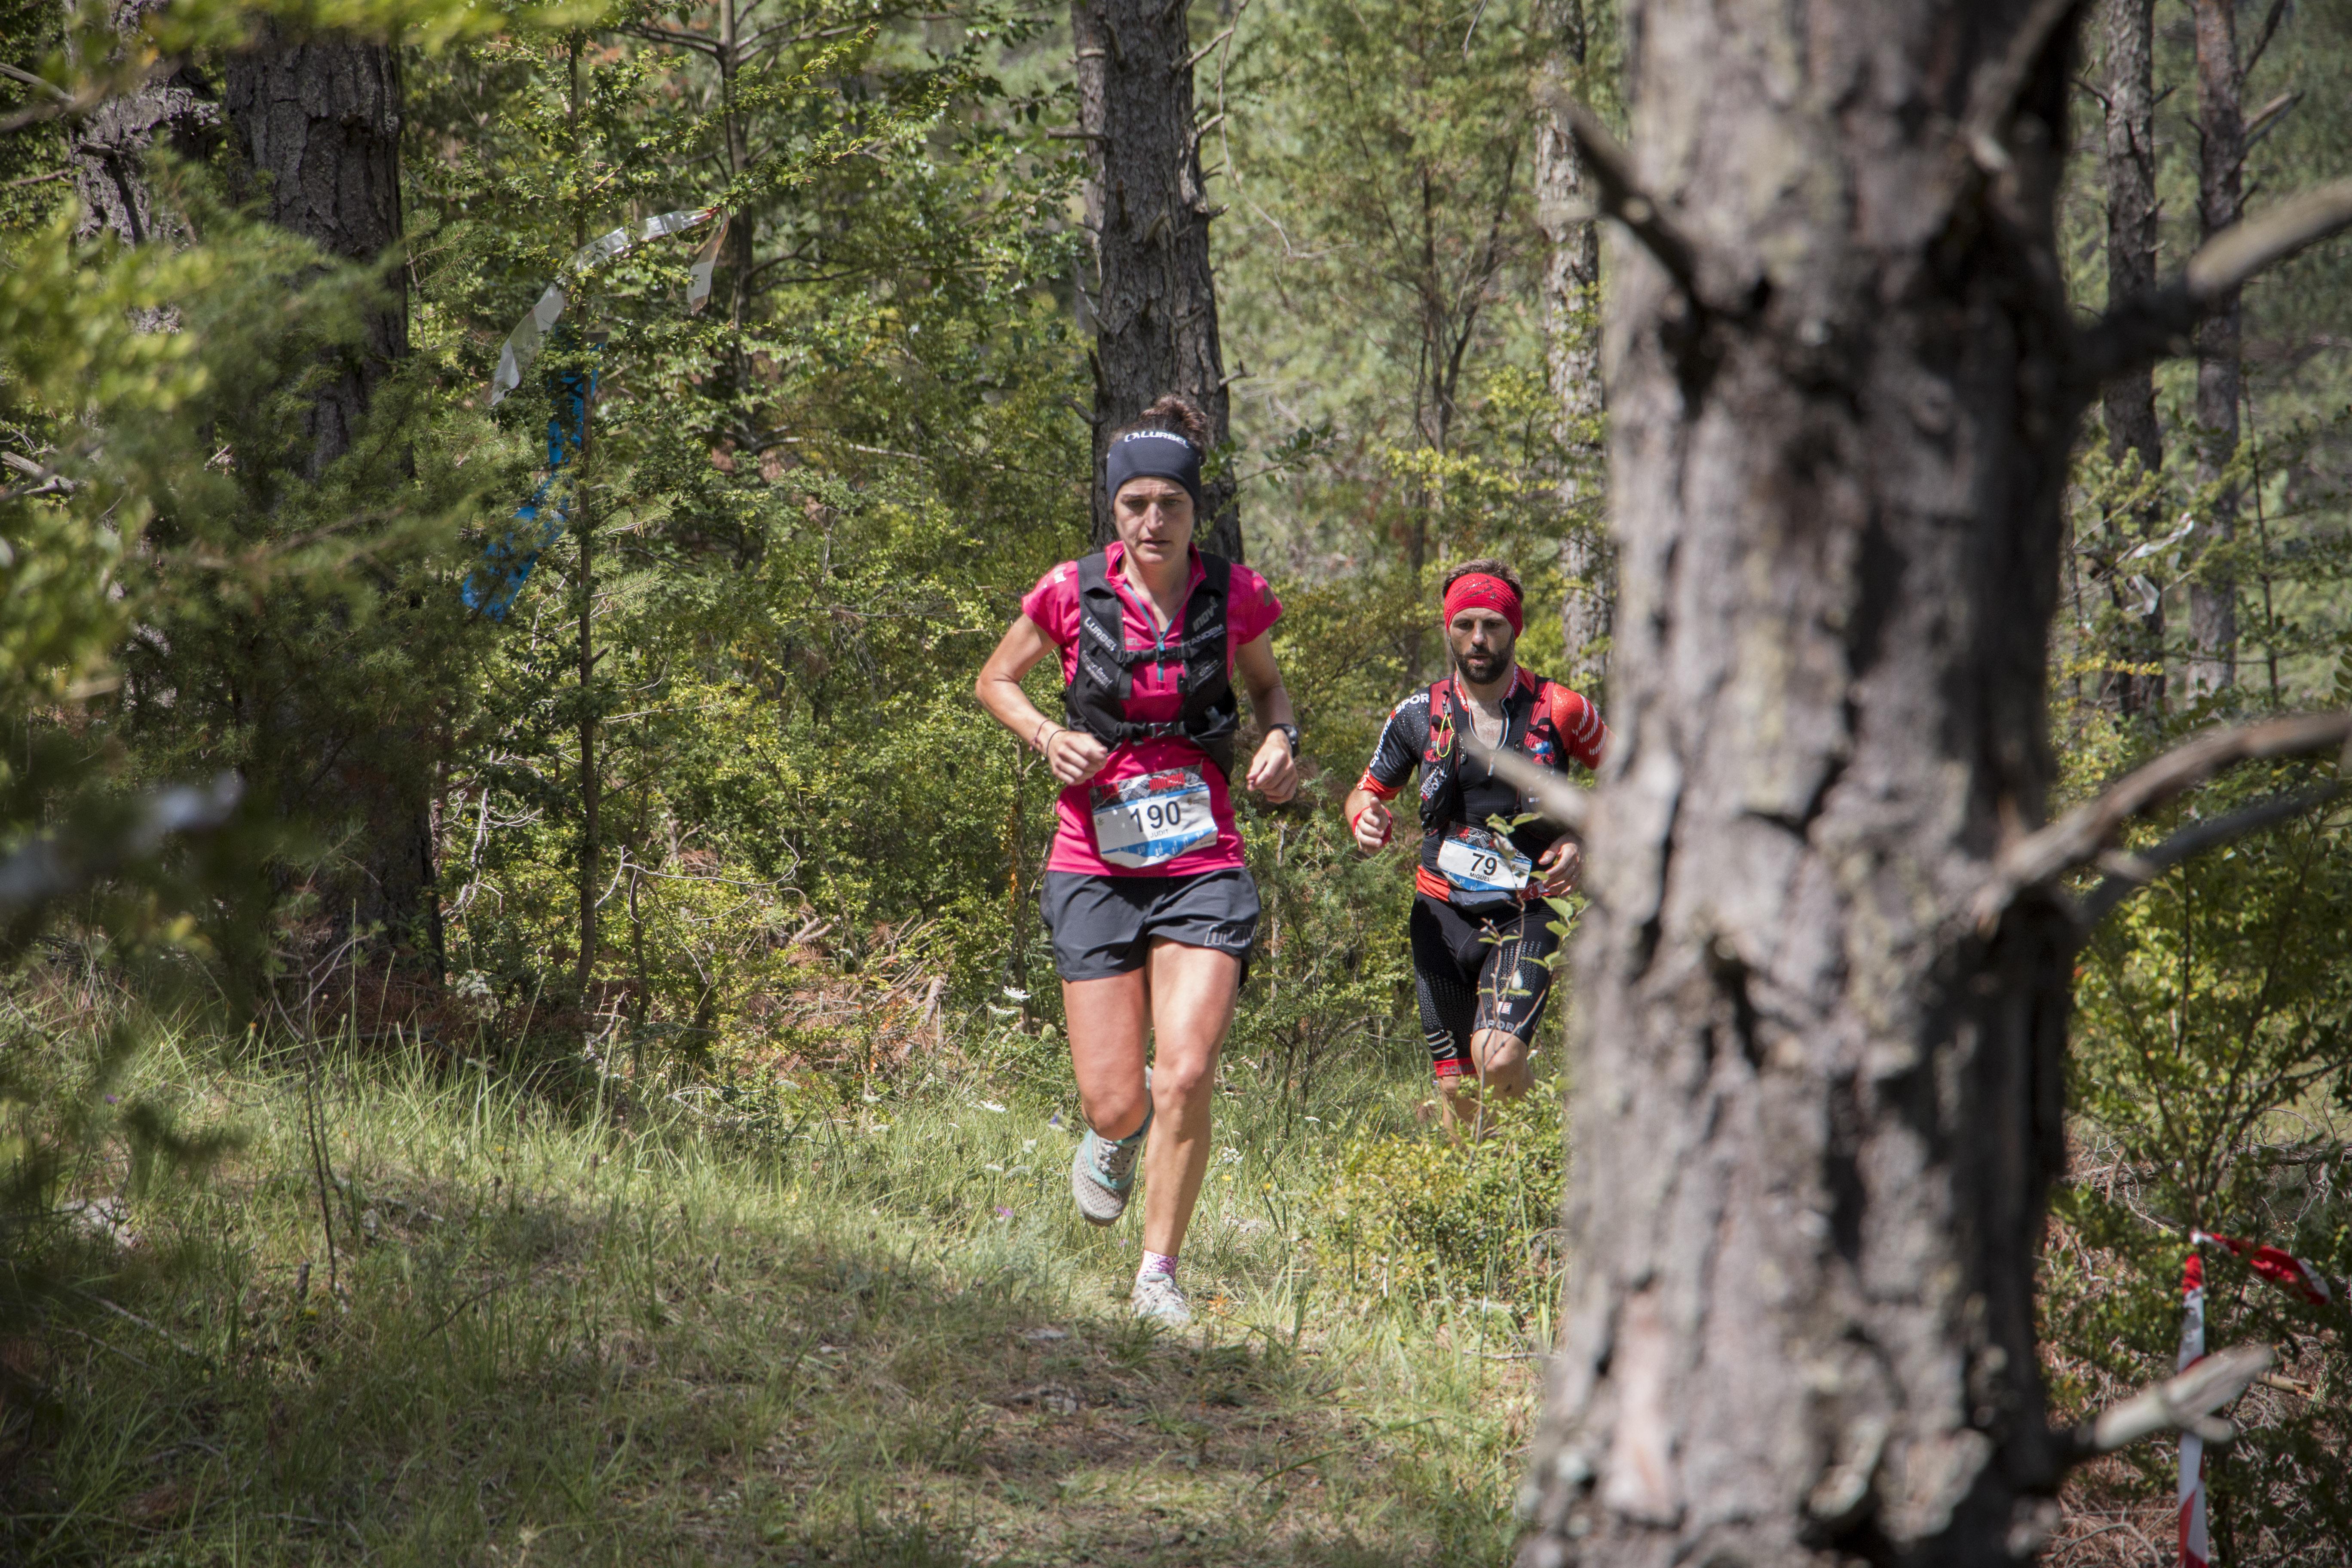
(1154, 455)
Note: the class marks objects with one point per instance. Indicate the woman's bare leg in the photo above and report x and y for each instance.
(1192, 996)
(1107, 1021)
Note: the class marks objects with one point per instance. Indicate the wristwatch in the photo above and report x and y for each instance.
(1292, 731)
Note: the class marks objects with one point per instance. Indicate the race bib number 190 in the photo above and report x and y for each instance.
(1480, 862)
(1152, 818)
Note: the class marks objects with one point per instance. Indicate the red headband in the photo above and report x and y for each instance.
(1477, 591)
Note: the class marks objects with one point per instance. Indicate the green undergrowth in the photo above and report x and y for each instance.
(859, 1326)
(1437, 1220)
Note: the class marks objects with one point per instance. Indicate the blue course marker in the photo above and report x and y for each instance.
(491, 586)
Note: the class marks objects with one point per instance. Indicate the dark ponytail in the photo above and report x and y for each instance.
(1176, 414)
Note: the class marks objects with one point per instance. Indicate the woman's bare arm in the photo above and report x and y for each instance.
(1073, 754)
(1274, 772)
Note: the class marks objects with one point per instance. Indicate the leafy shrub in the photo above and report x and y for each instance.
(1418, 1211)
(2207, 1085)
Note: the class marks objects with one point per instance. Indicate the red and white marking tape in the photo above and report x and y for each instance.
(2295, 1275)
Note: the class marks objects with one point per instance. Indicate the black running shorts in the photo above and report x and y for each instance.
(1491, 969)
(1102, 926)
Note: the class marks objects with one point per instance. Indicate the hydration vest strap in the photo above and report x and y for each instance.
(1441, 806)
(1097, 697)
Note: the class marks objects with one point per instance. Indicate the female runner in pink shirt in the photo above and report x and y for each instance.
(1151, 907)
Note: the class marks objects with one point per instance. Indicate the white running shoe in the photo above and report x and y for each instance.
(1158, 1299)
(1102, 1174)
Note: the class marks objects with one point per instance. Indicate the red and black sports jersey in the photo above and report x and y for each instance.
(1543, 719)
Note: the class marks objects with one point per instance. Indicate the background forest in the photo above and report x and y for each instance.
(527, 1027)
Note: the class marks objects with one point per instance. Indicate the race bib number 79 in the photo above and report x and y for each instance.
(1480, 862)
(1151, 819)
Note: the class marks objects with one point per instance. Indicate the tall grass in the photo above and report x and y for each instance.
(427, 1316)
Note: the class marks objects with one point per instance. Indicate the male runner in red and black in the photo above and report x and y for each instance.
(1482, 939)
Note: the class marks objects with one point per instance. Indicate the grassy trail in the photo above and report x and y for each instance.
(871, 1335)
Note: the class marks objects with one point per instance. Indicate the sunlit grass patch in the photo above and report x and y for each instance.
(637, 1332)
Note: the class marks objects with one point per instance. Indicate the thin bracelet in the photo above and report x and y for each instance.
(1041, 731)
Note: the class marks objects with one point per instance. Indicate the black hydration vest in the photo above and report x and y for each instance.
(1096, 698)
(1457, 787)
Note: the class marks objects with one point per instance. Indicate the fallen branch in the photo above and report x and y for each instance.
(50, 480)
(131, 1317)
(2128, 874)
(2185, 1402)
(1556, 799)
(2077, 839)
(2156, 324)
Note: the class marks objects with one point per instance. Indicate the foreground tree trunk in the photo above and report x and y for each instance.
(2220, 163)
(2129, 401)
(1817, 1114)
(315, 122)
(1572, 319)
(1155, 303)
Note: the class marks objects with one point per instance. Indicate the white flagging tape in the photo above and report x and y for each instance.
(522, 345)
(2191, 1492)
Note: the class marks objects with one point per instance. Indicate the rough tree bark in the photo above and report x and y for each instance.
(1815, 1117)
(108, 146)
(1571, 301)
(1823, 990)
(1154, 302)
(315, 122)
(2130, 400)
(2220, 163)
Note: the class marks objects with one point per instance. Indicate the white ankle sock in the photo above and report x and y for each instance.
(1156, 1263)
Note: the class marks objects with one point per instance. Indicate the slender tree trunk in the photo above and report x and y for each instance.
(1571, 321)
(2213, 596)
(2129, 401)
(591, 781)
(1155, 303)
(315, 123)
(1816, 1115)
(740, 234)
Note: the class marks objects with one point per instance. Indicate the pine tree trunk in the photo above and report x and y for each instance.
(2129, 401)
(1816, 1112)
(107, 148)
(317, 126)
(1155, 303)
(1571, 320)
(2214, 597)
(316, 123)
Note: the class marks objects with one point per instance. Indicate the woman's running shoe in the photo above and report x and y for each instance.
(1102, 1174)
(1158, 1299)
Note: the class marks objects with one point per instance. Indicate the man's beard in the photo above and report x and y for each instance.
(1484, 669)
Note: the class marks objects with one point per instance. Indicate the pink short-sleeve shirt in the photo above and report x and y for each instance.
(1250, 608)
